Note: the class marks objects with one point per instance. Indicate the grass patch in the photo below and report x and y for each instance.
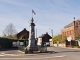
(74, 46)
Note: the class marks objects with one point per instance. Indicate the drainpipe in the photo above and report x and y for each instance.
(74, 28)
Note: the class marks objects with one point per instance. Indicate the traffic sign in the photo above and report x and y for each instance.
(76, 39)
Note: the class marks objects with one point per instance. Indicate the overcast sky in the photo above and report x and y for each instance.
(53, 14)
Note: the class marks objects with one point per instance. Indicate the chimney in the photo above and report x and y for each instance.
(24, 28)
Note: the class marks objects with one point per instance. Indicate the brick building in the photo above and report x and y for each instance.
(72, 30)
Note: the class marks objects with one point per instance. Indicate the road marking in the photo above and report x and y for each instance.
(33, 58)
(2, 55)
(11, 55)
(60, 56)
(55, 56)
(18, 58)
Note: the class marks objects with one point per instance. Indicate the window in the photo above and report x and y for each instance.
(65, 33)
(70, 32)
(79, 22)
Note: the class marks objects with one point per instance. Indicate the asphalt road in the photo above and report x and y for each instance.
(53, 54)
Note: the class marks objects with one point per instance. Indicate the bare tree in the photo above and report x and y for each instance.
(9, 31)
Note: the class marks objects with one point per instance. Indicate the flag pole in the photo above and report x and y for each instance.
(32, 15)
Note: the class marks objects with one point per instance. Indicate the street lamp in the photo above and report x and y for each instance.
(52, 35)
(51, 31)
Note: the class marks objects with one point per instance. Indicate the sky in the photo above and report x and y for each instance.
(50, 14)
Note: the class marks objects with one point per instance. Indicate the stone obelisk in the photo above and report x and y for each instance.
(32, 45)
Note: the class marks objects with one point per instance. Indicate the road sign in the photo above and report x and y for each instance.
(76, 39)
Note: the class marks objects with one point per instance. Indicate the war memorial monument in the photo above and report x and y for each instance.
(32, 46)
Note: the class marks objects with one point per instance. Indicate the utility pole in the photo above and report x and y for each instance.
(74, 29)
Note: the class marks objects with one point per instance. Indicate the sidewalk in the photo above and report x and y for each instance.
(67, 47)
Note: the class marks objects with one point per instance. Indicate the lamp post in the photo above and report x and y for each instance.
(52, 36)
(51, 31)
